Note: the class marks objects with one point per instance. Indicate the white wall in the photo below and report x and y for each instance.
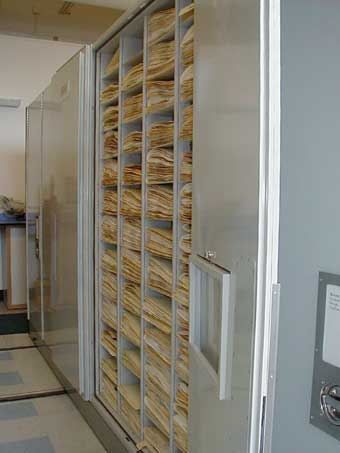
(26, 68)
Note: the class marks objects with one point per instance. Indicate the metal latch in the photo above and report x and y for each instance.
(330, 403)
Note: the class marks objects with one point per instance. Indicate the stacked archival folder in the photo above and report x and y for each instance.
(186, 131)
(186, 167)
(187, 47)
(132, 361)
(109, 314)
(109, 229)
(159, 276)
(160, 166)
(110, 202)
(131, 393)
(157, 311)
(161, 25)
(187, 83)
(158, 345)
(185, 208)
(133, 108)
(181, 432)
(131, 203)
(155, 441)
(182, 399)
(159, 242)
(110, 145)
(157, 410)
(185, 247)
(113, 64)
(109, 261)
(131, 416)
(133, 78)
(131, 298)
(132, 234)
(158, 378)
(187, 12)
(110, 93)
(109, 367)
(131, 328)
(109, 286)
(182, 363)
(131, 265)
(161, 61)
(109, 341)
(109, 393)
(110, 172)
(160, 95)
(161, 134)
(182, 290)
(160, 203)
(132, 174)
(110, 118)
(133, 143)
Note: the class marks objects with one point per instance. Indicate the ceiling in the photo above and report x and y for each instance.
(57, 19)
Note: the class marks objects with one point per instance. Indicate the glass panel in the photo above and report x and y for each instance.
(210, 319)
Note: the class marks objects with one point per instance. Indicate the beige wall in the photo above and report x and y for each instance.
(26, 68)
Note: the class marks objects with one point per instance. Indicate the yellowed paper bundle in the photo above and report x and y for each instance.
(155, 441)
(132, 234)
(110, 172)
(160, 276)
(109, 341)
(183, 321)
(187, 12)
(132, 361)
(109, 261)
(160, 203)
(113, 64)
(131, 298)
(182, 399)
(161, 60)
(159, 242)
(157, 311)
(110, 202)
(187, 84)
(131, 328)
(109, 367)
(181, 432)
(109, 314)
(132, 417)
(132, 174)
(161, 134)
(109, 229)
(182, 290)
(185, 247)
(186, 167)
(185, 203)
(159, 343)
(160, 95)
(109, 286)
(133, 78)
(131, 203)
(160, 166)
(157, 411)
(133, 143)
(109, 394)
(187, 47)
(158, 378)
(182, 364)
(161, 24)
(110, 118)
(131, 265)
(131, 393)
(110, 145)
(187, 125)
(133, 108)
(110, 93)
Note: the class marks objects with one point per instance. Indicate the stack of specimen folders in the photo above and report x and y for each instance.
(161, 25)
(113, 66)
(110, 145)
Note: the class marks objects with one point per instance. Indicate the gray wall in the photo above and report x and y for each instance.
(310, 207)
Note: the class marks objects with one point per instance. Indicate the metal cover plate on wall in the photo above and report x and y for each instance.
(326, 376)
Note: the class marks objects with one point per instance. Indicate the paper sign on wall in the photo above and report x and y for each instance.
(331, 345)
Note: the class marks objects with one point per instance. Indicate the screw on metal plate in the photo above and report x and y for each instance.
(210, 254)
